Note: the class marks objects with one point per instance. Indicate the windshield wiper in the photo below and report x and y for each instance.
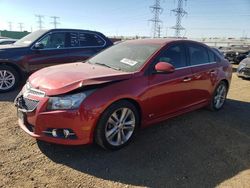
(105, 65)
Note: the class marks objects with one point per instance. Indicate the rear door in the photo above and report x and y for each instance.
(84, 45)
(204, 69)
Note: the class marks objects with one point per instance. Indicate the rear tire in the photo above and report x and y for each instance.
(9, 78)
(219, 97)
(117, 125)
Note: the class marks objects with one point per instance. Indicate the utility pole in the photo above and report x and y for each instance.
(10, 26)
(159, 31)
(179, 13)
(40, 21)
(156, 22)
(21, 26)
(55, 23)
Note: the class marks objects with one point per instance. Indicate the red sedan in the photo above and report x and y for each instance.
(128, 86)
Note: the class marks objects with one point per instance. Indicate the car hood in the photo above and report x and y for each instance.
(10, 46)
(61, 79)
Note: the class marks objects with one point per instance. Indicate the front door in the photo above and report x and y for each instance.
(169, 93)
(54, 52)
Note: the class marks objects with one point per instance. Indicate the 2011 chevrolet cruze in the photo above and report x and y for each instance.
(130, 85)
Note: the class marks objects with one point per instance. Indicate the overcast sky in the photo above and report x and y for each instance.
(206, 18)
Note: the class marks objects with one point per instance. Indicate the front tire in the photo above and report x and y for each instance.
(219, 96)
(9, 78)
(117, 125)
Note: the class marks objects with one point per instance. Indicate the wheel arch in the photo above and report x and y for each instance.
(226, 82)
(16, 67)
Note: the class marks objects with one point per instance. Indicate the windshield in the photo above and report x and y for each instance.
(125, 56)
(30, 38)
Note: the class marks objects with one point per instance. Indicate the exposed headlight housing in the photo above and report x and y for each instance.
(67, 102)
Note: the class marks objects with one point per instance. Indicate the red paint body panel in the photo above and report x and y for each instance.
(61, 79)
(159, 96)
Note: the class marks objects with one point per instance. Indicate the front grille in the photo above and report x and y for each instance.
(35, 92)
(26, 104)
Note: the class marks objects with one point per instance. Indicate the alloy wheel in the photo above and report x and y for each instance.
(7, 80)
(220, 96)
(120, 126)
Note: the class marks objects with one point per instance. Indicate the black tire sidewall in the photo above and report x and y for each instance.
(16, 75)
(100, 138)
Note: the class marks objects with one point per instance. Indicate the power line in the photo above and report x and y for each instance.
(40, 21)
(179, 13)
(55, 22)
(10, 26)
(21, 26)
(156, 22)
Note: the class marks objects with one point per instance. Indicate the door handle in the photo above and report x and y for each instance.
(187, 79)
(212, 71)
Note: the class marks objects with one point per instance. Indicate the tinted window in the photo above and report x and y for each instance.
(174, 55)
(73, 39)
(54, 41)
(212, 56)
(198, 54)
(88, 39)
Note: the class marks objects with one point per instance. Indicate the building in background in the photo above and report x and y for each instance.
(13, 34)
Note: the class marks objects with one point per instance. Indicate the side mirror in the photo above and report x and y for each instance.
(164, 67)
(39, 45)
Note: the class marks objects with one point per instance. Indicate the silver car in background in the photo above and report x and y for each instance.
(244, 68)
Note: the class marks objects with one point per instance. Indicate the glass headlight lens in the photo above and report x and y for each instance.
(66, 102)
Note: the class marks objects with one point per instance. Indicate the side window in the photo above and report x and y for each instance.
(174, 55)
(73, 40)
(198, 54)
(54, 41)
(88, 39)
(212, 56)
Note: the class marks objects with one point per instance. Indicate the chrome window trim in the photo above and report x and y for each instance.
(190, 66)
(32, 47)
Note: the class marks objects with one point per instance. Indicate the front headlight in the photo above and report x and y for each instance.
(237, 53)
(66, 102)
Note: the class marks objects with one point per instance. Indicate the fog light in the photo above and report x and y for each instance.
(66, 133)
(60, 133)
(54, 132)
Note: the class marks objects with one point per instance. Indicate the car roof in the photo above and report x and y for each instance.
(62, 29)
(160, 41)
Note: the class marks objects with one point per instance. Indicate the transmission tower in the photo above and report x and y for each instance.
(156, 22)
(21, 26)
(179, 13)
(10, 26)
(55, 23)
(40, 21)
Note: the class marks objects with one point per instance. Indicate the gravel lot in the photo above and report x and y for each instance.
(198, 149)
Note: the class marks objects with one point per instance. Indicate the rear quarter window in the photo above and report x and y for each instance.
(212, 56)
(89, 39)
